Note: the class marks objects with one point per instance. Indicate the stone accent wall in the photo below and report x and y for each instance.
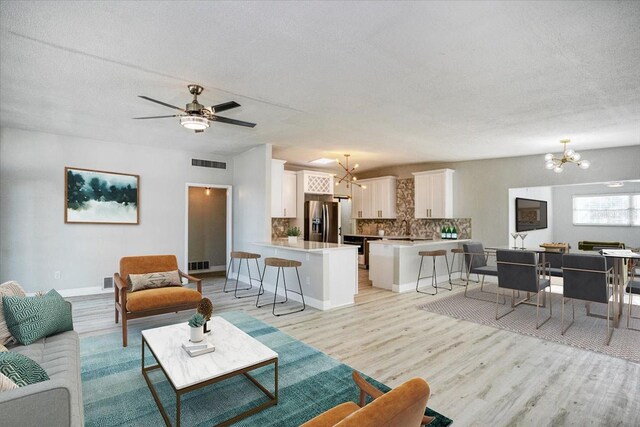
(279, 227)
(428, 228)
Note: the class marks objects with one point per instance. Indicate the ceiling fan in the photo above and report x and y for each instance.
(196, 116)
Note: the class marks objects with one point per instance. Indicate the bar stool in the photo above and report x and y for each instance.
(280, 264)
(239, 255)
(455, 251)
(434, 275)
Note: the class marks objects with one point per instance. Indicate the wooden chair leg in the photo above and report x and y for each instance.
(124, 329)
(116, 304)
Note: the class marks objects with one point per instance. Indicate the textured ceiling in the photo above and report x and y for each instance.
(388, 82)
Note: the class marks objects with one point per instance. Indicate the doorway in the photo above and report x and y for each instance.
(207, 228)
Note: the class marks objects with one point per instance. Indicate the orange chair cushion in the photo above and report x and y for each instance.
(333, 416)
(151, 299)
(403, 406)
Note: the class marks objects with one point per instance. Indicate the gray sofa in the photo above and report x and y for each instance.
(57, 402)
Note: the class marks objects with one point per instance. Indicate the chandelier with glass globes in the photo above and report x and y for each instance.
(568, 156)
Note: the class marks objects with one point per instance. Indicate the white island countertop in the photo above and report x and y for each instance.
(306, 246)
(407, 243)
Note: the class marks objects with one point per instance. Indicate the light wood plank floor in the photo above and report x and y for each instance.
(478, 375)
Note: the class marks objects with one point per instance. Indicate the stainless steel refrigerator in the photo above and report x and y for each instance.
(321, 221)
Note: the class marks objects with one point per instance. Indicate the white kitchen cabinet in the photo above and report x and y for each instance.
(283, 191)
(289, 196)
(377, 201)
(277, 175)
(434, 194)
(316, 182)
(356, 202)
(384, 198)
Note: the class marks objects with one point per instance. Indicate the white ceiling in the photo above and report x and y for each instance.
(388, 82)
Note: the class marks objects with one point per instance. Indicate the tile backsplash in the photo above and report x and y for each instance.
(279, 227)
(406, 224)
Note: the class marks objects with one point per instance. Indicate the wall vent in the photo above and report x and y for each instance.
(208, 164)
(107, 283)
(198, 265)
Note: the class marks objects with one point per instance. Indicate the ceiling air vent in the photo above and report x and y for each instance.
(208, 164)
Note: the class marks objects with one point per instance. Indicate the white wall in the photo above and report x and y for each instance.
(34, 240)
(208, 226)
(565, 231)
(534, 237)
(252, 197)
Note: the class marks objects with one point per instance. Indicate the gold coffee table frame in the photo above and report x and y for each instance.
(273, 397)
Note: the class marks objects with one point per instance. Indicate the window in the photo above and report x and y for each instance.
(607, 209)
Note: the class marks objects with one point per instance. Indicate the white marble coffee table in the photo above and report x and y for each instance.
(236, 353)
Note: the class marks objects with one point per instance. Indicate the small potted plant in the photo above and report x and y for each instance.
(205, 307)
(292, 234)
(195, 325)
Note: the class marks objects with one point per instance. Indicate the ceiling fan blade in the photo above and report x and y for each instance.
(155, 117)
(231, 121)
(160, 102)
(225, 106)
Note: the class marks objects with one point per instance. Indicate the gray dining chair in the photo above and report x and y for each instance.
(555, 263)
(476, 262)
(586, 278)
(519, 271)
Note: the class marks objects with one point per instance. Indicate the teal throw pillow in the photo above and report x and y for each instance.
(20, 369)
(32, 318)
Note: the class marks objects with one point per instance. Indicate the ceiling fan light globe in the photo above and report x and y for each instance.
(584, 164)
(549, 165)
(569, 153)
(548, 156)
(558, 169)
(194, 122)
(576, 157)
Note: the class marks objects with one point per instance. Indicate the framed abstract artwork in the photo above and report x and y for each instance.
(100, 197)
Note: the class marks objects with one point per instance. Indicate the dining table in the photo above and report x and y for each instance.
(616, 257)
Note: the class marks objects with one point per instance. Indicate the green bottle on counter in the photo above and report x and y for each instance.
(454, 234)
(448, 233)
(444, 233)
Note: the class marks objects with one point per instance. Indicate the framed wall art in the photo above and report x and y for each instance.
(100, 197)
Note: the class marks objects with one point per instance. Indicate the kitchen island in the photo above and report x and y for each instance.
(329, 271)
(394, 264)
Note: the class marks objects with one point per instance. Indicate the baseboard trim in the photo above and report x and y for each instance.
(80, 292)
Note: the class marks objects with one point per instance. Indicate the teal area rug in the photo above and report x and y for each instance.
(310, 382)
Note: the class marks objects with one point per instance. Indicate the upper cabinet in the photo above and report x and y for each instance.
(378, 200)
(289, 194)
(283, 191)
(434, 194)
(316, 182)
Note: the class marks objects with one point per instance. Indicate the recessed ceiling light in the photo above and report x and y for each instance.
(615, 184)
(322, 161)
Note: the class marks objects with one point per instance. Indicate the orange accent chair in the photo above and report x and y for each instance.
(403, 406)
(149, 302)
